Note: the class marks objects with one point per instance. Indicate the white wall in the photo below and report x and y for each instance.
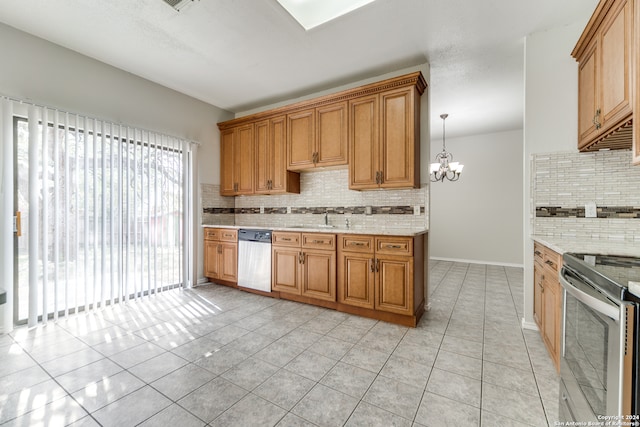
(551, 116)
(36, 70)
(478, 217)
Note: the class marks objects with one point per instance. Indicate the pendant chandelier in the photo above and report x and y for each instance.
(445, 166)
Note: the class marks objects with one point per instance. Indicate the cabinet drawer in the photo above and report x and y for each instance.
(356, 243)
(284, 238)
(211, 234)
(226, 235)
(318, 241)
(538, 253)
(552, 260)
(394, 245)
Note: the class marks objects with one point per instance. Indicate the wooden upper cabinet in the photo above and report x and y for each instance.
(331, 135)
(317, 137)
(301, 130)
(237, 161)
(636, 97)
(364, 149)
(587, 96)
(271, 166)
(605, 56)
(374, 129)
(227, 181)
(384, 140)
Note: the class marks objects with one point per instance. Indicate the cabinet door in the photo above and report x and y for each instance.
(587, 96)
(285, 270)
(394, 284)
(551, 317)
(228, 262)
(636, 97)
(356, 279)
(615, 78)
(331, 139)
(364, 152)
(537, 295)
(227, 182)
(319, 274)
(211, 256)
(243, 159)
(278, 152)
(399, 144)
(263, 157)
(301, 135)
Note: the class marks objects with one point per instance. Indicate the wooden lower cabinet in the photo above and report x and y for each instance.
(377, 274)
(319, 274)
(380, 277)
(394, 284)
(355, 281)
(547, 299)
(285, 269)
(221, 255)
(299, 268)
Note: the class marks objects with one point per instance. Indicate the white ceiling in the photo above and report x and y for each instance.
(243, 54)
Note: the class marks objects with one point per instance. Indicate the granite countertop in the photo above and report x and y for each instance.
(595, 246)
(335, 230)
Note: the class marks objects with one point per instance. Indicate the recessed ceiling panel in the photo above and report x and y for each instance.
(311, 13)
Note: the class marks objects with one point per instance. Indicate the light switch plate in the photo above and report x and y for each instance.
(261, 209)
(367, 210)
(288, 209)
(416, 210)
(590, 210)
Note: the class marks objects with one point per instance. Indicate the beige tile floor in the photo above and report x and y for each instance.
(221, 357)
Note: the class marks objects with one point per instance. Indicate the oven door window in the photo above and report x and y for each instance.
(588, 339)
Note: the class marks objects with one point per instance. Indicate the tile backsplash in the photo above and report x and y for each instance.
(562, 183)
(320, 192)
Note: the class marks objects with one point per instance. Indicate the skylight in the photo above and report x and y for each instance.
(311, 13)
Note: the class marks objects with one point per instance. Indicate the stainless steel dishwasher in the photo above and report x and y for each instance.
(254, 259)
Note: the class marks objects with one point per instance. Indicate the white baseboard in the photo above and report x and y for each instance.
(529, 325)
(472, 261)
(202, 281)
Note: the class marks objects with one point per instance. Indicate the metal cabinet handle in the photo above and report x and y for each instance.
(301, 257)
(318, 242)
(394, 246)
(371, 266)
(596, 119)
(285, 239)
(381, 177)
(356, 244)
(377, 177)
(377, 265)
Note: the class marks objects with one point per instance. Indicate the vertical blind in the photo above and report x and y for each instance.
(105, 209)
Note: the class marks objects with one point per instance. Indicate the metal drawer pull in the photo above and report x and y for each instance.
(394, 246)
(318, 241)
(356, 244)
(371, 265)
(285, 239)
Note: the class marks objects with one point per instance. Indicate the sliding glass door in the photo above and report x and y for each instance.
(102, 209)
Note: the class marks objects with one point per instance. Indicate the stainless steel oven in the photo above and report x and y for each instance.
(598, 365)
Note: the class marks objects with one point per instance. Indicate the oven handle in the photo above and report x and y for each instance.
(603, 307)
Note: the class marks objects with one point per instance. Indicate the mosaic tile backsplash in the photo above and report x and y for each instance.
(562, 183)
(320, 192)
